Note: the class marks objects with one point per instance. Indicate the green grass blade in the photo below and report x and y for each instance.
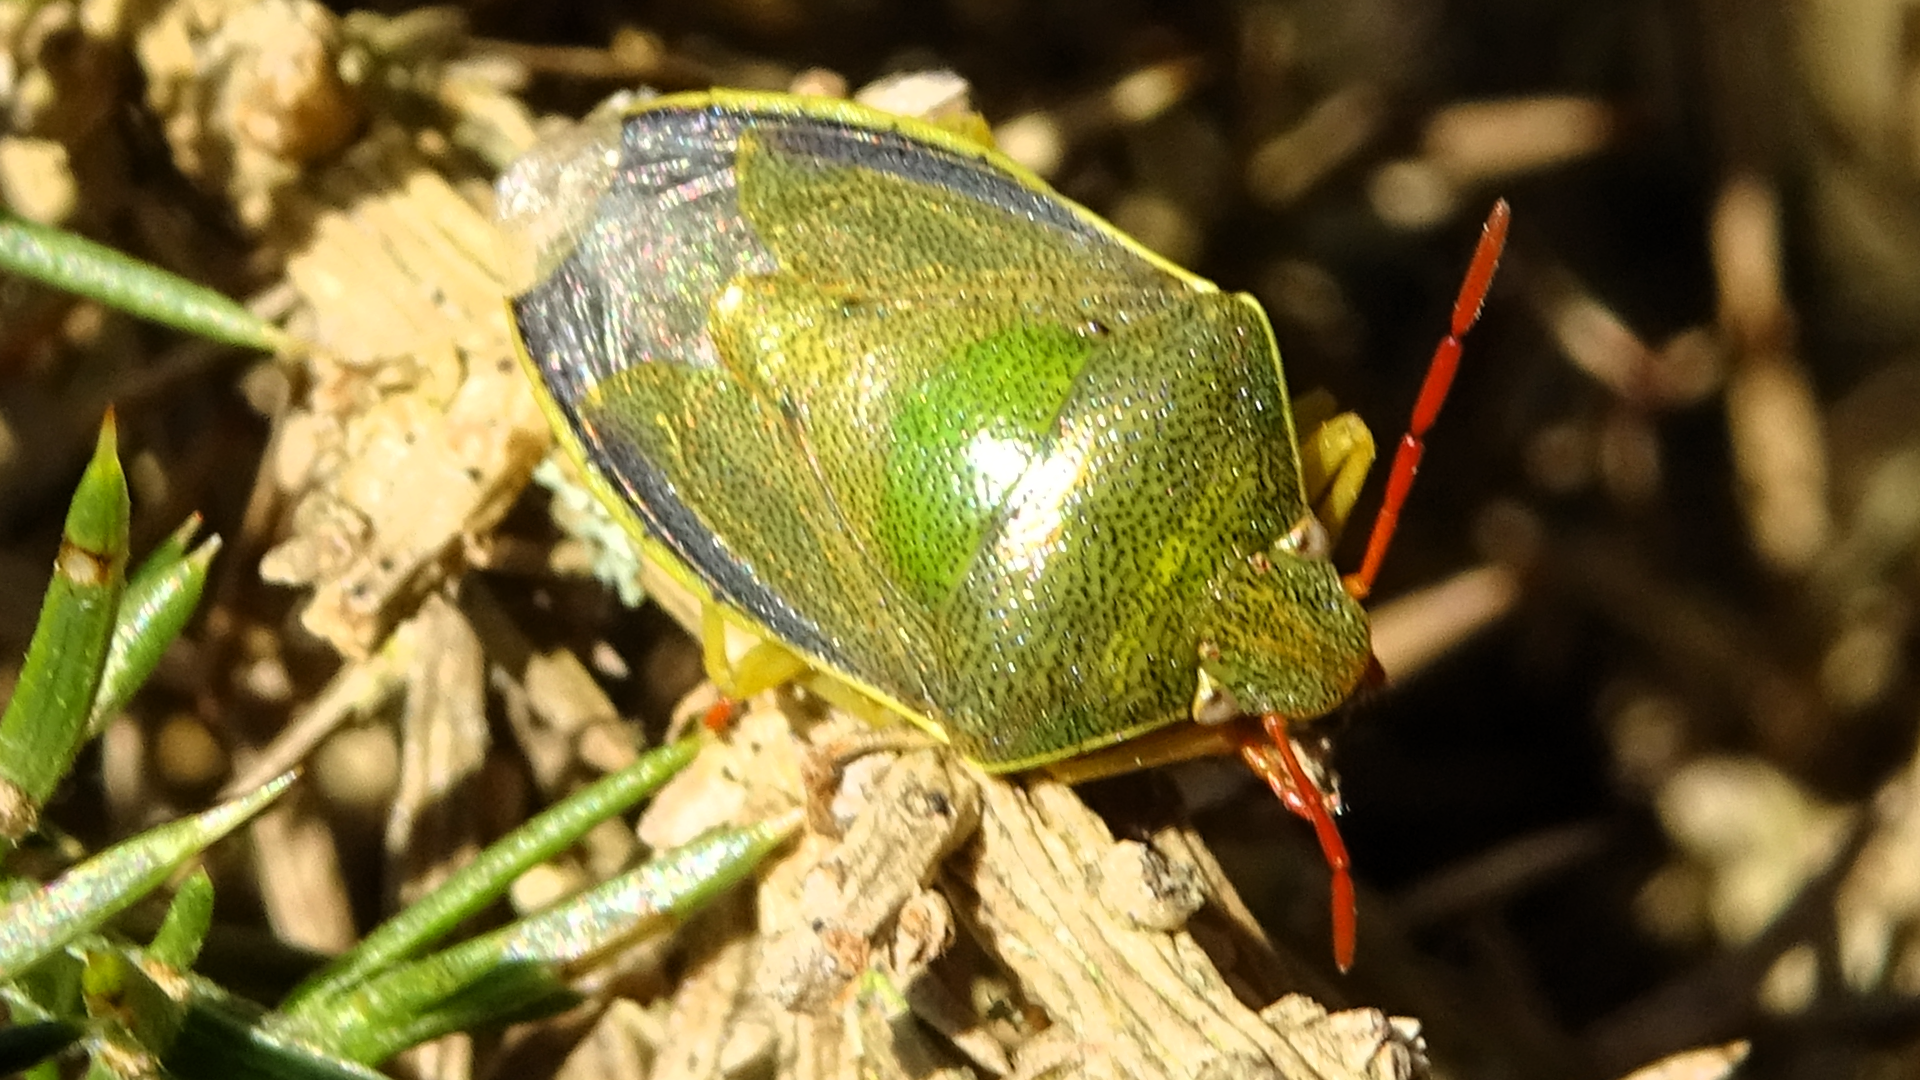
(669, 887)
(505, 993)
(85, 897)
(160, 597)
(50, 991)
(177, 943)
(382, 1016)
(221, 1037)
(488, 876)
(76, 264)
(46, 722)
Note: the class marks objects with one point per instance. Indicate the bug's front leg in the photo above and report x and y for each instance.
(765, 665)
(1336, 453)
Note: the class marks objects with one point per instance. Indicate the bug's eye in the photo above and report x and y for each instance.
(1307, 539)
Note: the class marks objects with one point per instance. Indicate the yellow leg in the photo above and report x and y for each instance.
(768, 664)
(764, 666)
(1335, 454)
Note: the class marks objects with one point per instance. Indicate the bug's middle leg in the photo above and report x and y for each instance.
(765, 665)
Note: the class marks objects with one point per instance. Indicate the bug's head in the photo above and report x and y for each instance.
(1285, 641)
(1284, 635)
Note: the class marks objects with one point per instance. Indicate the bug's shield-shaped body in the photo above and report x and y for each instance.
(939, 430)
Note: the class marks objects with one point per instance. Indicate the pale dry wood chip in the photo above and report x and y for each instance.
(247, 93)
(712, 1002)
(1151, 1002)
(1704, 1063)
(432, 829)
(921, 809)
(1151, 890)
(751, 776)
(1041, 952)
(297, 870)
(554, 703)
(1877, 905)
(421, 427)
(449, 1057)
(619, 1046)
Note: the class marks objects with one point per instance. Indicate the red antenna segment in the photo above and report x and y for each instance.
(1433, 394)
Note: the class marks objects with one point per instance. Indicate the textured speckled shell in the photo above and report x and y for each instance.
(944, 433)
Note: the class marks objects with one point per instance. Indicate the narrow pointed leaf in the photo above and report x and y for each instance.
(76, 264)
(160, 597)
(84, 898)
(222, 1036)
(671, 886)
(49, 991)
(46, 721)
(177, 943)
(508, 993)
(488, 876)
(378, 1018)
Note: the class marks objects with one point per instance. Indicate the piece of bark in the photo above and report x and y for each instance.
(850, 936)
(420, 429)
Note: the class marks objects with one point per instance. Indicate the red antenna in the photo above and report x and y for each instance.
(1274, 758)
(1433, 394)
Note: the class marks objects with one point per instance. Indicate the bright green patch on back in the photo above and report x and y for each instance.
(961, 444)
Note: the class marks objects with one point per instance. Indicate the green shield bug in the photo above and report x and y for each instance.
(941, 437)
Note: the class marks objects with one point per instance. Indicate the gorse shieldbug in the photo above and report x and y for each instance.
(938, 435)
